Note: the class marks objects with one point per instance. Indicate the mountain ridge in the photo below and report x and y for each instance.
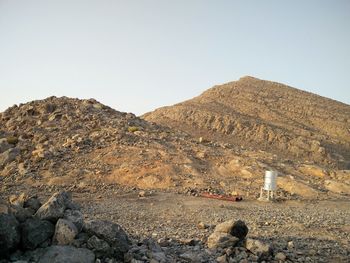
(268, 111)
(85, 146)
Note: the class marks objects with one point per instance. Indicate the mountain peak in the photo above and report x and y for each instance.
(268, 116)
(247, 77)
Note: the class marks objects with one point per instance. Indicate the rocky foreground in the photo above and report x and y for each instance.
(58, 231)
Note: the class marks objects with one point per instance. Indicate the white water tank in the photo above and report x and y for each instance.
(270, 180)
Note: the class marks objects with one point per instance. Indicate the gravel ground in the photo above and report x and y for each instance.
(305, 231)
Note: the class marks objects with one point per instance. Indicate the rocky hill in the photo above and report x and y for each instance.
(64, 142)
(84, 146)
(268, 116)
(138, 186)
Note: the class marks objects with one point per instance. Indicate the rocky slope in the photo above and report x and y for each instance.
(80, 144)
(268, 116)
(104, 157)
(84, 146)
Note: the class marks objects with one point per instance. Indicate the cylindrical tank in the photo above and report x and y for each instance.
(270, 180)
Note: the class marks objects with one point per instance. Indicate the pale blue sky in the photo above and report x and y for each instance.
(136, 56)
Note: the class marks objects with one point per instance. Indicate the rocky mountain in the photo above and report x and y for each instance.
(139, 186)
(84, 146)
(268, 116)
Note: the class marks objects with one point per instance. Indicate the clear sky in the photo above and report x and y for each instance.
(137, 55)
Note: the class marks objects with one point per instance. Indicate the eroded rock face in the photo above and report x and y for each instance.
(67, 254)
(9, 234)
(112, 233)
(35, 232)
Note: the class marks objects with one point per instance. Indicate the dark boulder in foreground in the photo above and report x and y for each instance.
(9, 234)
(112, 233)
(35, 232)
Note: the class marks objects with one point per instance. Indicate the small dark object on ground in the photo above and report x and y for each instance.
(231, 198)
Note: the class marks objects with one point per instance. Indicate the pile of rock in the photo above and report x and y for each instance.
(229, 240)
(57, 128)
(56, 232)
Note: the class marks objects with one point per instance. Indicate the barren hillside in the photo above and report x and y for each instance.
(84, 146)
(140, 174)
(268, 116)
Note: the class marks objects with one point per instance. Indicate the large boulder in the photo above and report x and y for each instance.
(235, 228)
(35, 232)
(67, 254)
(261, 249)
(76, 217)
(65, 232)
(221, 240)
(9, 234)
(54, 208)
(112, 233)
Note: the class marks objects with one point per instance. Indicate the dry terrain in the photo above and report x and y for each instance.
(267, 116)
(147, 174)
